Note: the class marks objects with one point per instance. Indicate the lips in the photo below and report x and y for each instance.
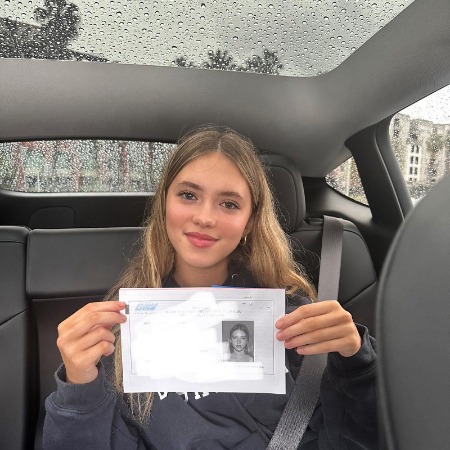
(200, 240)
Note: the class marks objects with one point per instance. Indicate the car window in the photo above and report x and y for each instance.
(82, 165)
(346, 180)
(420, 137)
(269, 36)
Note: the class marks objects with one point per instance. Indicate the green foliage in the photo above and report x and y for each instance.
(58, 26)
(268, 63)
(59, 22)
(219, 60)
(435, 143)
(222, 60)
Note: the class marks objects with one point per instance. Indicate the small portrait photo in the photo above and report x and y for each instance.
(238, 341)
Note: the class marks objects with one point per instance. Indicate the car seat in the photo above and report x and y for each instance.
(358, 280)
(17, 375)
(413, 319)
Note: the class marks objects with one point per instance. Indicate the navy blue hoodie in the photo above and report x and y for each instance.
(94, 416)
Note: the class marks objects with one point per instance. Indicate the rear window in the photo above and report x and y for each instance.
(82, 165)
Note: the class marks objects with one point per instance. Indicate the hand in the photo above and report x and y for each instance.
(86, 336)
(321, 327)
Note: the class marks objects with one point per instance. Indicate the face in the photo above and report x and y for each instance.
(238, 340)
(208, 209)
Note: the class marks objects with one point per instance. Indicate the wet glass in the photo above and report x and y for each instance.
(280, 37)
(82, 165)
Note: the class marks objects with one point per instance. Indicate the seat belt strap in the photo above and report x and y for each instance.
(306, 391)
(300, 406)
(331, 257)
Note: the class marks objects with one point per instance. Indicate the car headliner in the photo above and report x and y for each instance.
(308, 119)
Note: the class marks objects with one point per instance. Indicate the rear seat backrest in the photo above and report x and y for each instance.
(67, 269)
(358, 281)
(16, 340)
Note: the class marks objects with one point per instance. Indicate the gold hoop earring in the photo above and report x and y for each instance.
(243, 241)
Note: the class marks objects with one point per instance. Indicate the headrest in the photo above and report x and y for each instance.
(77, 262)
(13, 233)
(413, 328)
(13, 242)
(287, 187)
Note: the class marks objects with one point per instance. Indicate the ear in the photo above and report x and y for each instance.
(249, 226)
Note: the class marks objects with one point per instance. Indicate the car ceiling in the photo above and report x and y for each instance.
(308, 119)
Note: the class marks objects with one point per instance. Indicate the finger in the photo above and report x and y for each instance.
(102, 348)
(83, 368)
(72, 332)
(89, 308)
(318, 336)
(89, 340)
(112, 306)
(109, 326)
(70, 349)
(322, 347)
(307, 311)
(347, 347)
(310, 324)
(344, 340)
(75, 327)
(74, 351)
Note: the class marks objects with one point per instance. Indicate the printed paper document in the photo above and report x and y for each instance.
(202, 340)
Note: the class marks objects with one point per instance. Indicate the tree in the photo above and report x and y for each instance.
(447, 153)
(58, 26)
(434, 145)
(182, 61)
(59, 22)
(219, 60)
(222, 60)
(268, 63)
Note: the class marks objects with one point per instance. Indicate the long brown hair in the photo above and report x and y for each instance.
(267, 253)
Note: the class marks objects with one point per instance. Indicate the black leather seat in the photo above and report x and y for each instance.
(358, 282)
(414, 329)
(17, 376)
(67, 269)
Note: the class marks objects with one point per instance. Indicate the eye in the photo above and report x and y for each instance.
(230, 205)
(186, 195)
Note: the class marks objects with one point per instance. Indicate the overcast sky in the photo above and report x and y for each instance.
(435, 107)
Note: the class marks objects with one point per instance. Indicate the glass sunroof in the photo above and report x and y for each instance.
(299, 38)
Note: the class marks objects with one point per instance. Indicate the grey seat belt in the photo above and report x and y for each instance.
(305, 393)
(330, 258)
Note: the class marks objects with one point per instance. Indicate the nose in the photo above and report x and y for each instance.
(204, 215)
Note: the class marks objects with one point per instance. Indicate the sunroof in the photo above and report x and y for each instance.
(298, 38)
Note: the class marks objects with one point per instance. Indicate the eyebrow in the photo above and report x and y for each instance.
(190, 184)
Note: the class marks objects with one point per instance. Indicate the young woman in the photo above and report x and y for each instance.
(238, 344)
(212, 222)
